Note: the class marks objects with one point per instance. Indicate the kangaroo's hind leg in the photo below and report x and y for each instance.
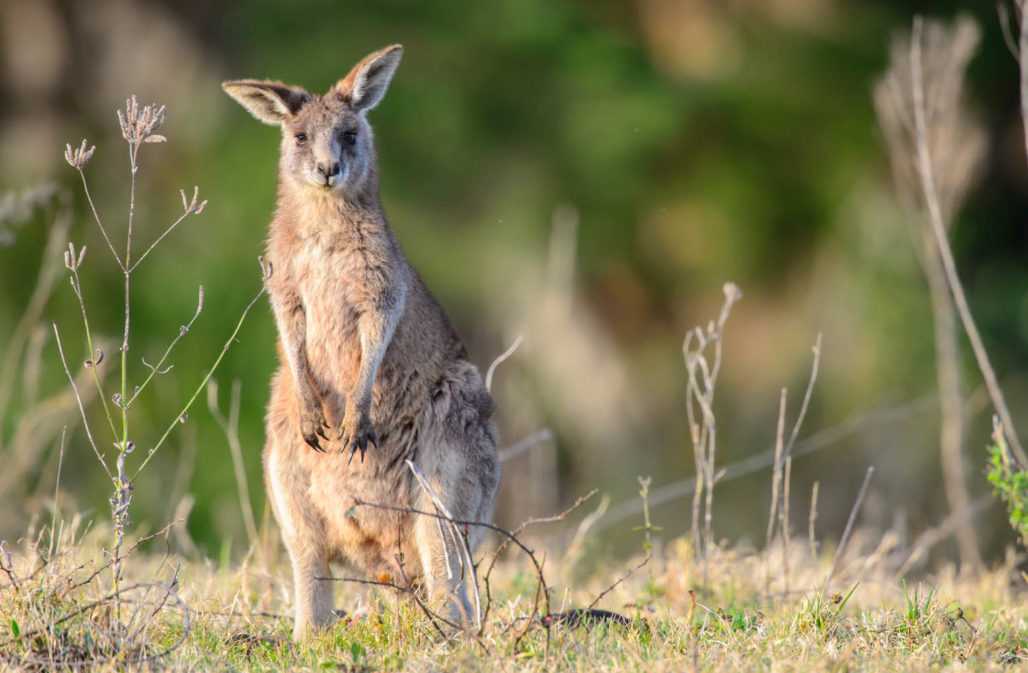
(461, 470)
(302, 534)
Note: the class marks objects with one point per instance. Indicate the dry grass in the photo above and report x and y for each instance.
(237, 617)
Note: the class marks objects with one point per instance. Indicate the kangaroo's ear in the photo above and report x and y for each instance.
(270, 102)
(367, 83)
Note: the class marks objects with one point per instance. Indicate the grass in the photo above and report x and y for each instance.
(237, 617)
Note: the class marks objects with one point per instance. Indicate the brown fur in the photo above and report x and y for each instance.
(369, 360)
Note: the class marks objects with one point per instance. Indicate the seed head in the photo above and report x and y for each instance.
(79, 156)
(138, 125)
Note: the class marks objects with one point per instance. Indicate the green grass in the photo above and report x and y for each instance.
(869, 620)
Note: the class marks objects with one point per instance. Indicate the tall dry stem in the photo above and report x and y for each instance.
(840, 551)
(230, 427)
(812, 520)
(929, 186)
(139, 126)
(776, 480)
(702, 351)
(786, 532)
(936, 147)
(781, 471)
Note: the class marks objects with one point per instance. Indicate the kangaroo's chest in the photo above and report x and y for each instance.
(328, 282)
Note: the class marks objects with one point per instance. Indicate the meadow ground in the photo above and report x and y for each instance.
(751, 613)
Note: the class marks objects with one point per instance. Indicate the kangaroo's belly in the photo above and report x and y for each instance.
(332, 340)
(359, 512)
(368, 536)
(320, 492)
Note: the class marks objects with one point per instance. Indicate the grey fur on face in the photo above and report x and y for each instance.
(327, 145)
(327, 142)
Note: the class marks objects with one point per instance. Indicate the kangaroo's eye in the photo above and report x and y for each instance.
(301, 138)
(350, 138)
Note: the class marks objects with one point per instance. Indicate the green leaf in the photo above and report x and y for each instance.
(1011, 485)
(15, 629)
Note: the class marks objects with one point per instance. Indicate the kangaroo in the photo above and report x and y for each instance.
(369, 363)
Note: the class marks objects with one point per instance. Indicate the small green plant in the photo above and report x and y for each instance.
(918, 606)
(651, 590)
(822, 613)
(736, 619)
(647, 528)
(1009, 482)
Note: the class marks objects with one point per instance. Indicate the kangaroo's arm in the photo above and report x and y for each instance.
(376, 324)
(292, 330)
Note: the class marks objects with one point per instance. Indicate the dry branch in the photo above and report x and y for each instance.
(230, 427)
(841, 549)
(702, 371)
(954, 141)
(930, 192)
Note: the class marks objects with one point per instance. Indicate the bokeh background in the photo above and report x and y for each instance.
(584, 174)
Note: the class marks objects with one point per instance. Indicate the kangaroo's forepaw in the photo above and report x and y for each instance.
(356, 434)
(313, 433)
(314, 428)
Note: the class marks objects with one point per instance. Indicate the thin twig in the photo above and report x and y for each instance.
(631, 571)
(694, 633)
(107, 564)
(812, 519)
(78, 399)
(776, 479)
(159, 239)
(535, 521)
(56, 516)
(701, 382)
(7, 567)
(956, 146)
(96, 355)
(517, 531)
(927, 176)
(99, 223)
(814, 368)
(432, 616)
(159, 367)
(841, 549)
(203, 383)
(230, 427)
(523, 445)
(786, 533)
(500, 359)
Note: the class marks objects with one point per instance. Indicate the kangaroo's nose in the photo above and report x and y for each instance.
(329, 171)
